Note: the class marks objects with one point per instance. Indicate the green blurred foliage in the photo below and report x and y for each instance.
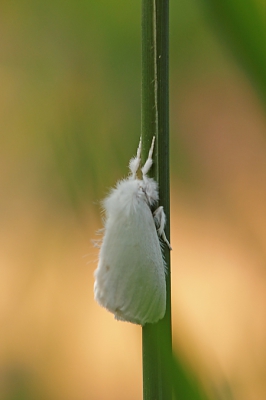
(71, 90)
(75, 68)
(77, 80)
(185, 385)
(242, 26)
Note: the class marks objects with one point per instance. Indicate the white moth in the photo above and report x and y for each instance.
(130, 277)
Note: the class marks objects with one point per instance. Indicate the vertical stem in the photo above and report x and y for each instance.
(157, 338)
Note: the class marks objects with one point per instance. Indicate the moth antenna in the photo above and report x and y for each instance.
(135, 161)
(147, 166)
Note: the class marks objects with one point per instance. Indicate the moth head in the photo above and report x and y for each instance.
(150, 189)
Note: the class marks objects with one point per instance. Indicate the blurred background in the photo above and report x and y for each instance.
(70, 121)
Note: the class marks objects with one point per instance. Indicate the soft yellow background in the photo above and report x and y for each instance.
(69, 123)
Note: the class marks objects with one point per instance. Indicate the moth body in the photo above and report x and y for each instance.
(130, 277)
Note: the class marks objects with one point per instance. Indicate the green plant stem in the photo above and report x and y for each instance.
(157, 338)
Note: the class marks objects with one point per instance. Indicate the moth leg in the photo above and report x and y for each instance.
(146, 167)
(160, 221)
(135, 161)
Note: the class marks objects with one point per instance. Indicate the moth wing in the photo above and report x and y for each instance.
(130, 278)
